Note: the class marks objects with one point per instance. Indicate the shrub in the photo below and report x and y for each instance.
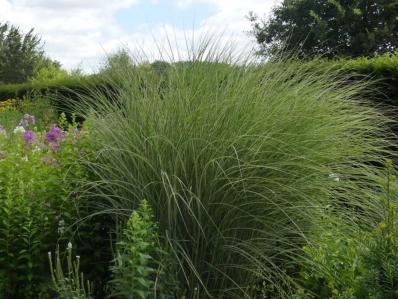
(235, 160)
(332, 263)
(62, 88)
(345, 260)
(138, 270)
(49, 73)
(53, 72)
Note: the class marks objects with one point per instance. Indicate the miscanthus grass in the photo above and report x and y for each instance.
(236, 158)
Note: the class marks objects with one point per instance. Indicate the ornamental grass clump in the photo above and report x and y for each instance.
(236, 160)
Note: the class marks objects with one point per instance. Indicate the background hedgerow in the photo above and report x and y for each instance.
(56, 89)
(383, 70)
(237, 160)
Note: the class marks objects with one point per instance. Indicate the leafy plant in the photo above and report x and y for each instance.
(332, 261)
(352, 260)
(48, 73)
(138, 271)
(36, 204)
(380, 259)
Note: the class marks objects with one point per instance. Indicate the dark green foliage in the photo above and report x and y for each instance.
(24, 228)
(383, 70)
(160, 67)
(64, 87)
(97, 252)
(28, 224)
(381, 257)
(330, 28)
(21, 55)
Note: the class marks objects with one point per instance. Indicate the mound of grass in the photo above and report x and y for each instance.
(236, 160)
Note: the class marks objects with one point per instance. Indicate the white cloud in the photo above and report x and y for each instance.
(74, 4)
(78, 31)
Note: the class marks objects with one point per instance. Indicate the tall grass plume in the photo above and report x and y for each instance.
(236, 159)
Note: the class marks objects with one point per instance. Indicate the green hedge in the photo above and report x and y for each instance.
(61, 92)
(383, 70)
(63, 87)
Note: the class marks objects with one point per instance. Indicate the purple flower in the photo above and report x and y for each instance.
(54, 135)
(29, 136)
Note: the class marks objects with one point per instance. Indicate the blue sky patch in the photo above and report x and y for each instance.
(164, 12)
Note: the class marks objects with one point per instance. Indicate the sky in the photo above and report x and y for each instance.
(80, 33)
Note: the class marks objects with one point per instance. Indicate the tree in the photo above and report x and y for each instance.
(329, 27)
(21, 55)
(120, 59)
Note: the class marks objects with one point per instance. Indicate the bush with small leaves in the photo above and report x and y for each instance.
(356, 259)
(138, 267)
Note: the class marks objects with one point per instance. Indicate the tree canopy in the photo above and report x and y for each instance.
(330, 28)
(21, 55)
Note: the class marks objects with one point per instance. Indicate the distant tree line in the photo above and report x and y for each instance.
(349, 28)
(21, 55)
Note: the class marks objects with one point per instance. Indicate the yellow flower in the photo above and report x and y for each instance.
(382, 226)
(7, 105)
